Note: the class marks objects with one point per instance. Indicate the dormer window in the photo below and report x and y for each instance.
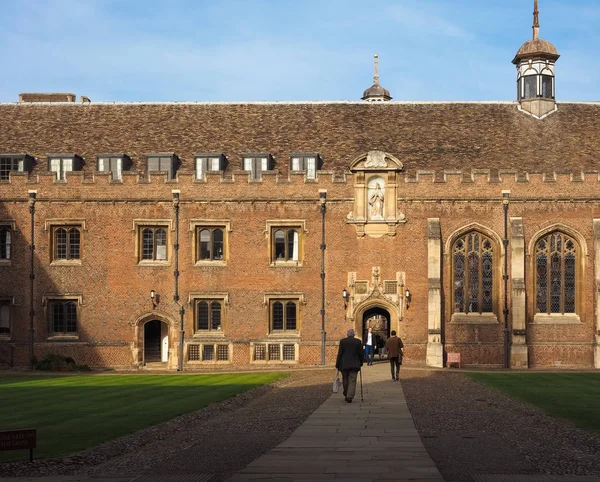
(163, 163)
(63, 163)
(257, 163)
(208, 162)
(115, 163)
(15, 163)
(306, 162)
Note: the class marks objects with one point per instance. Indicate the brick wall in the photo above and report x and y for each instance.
(113, 288)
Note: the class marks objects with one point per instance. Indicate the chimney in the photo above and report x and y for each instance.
(47, 97)
(85, 99)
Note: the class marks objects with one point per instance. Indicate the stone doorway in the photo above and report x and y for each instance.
(156, 342)
(378, 319)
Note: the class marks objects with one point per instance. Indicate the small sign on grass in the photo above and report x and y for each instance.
(18, 440)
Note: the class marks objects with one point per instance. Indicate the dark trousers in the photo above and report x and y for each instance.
(349, 382)
(395, 366)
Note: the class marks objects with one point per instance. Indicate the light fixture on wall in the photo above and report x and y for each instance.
(155, 299)
(345, 296)
(407, 297)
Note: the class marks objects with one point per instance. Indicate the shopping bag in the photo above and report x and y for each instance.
(336, 382)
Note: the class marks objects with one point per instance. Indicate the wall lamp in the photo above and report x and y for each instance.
(345, 297)
(407, 297)
(155, 299)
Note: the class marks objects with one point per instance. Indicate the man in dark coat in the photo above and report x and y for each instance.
(349, 361)
(394, 347)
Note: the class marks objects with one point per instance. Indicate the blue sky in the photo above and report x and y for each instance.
(289, 50)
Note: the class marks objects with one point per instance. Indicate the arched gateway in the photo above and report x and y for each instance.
(379, 315)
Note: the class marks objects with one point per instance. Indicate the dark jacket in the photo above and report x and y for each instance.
(350, 354)
(394, 347)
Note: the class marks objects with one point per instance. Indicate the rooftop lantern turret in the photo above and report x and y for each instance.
(535, 72)
(376, 93)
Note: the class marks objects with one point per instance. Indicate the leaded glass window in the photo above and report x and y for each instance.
(209, 315)
(555, 270)
(154, 244)
(473, 274)
(284, 315)
(64, 317)
(547, 86)
(529, 86)
(286, 244)
(67, 243)
(222, 353)
(211, 244)
(8, 164)
(5, 242)
(4, 317)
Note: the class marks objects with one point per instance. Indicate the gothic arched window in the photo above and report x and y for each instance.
(473, 273)
(555, 270)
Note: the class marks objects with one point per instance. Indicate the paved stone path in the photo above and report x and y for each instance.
(368, 440)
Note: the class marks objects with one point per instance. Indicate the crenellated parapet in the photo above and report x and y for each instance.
(483, 185)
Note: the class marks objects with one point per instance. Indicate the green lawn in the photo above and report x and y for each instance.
(569, 396)
(73, 413)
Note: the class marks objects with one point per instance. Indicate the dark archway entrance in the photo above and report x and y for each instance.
(378, 319)
(156, 341)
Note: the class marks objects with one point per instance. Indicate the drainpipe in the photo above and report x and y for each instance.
(323, 199)
(32, 197)
(176, 274)
(505, 198)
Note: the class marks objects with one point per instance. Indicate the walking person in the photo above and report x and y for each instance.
(369, 343)
(394, 347)
(349, 361)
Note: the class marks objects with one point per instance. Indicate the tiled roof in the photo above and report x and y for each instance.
(422, 135)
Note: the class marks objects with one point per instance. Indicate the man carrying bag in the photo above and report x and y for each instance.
(349, 361)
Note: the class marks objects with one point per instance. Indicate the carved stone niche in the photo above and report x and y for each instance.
(375, 212)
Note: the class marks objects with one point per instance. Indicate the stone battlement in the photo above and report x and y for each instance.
(237, 185)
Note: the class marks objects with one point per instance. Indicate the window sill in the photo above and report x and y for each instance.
(274, 362)
(556, 319)
(283, 335)
(66, 262)
(154, 263)
(63, 338)
(4, 337)
(211, 263)
(209, 362)
(286, 264)
(5, 262)
(208, 334)
(473, 319)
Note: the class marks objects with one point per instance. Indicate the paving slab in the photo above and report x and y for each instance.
(370, 439)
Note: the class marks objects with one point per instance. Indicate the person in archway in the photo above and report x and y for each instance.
(349, 361)
(369, 345)
(394, 347)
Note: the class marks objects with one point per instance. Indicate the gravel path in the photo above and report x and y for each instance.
(468, 428)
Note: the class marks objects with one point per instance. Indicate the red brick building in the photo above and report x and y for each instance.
(190, 234)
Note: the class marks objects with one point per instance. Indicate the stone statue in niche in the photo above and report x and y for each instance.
(376, 198)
